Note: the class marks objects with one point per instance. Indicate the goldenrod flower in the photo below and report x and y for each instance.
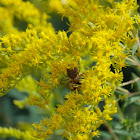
(93, 47)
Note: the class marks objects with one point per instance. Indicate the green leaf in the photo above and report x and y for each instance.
(137, 59)
(118, 92)
(137, 103)
(131, 100)
(130, 64)
(134, 76)
(105, 135)
(134, 48)
(125, 133)
(14, 93)
(136, 135)
(121, 132)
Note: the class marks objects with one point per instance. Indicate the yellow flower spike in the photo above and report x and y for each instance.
(85, 137)
(99, 113)
(77, 114)
(56, 5)
(12, 132)
(95, 133)
(48, 132)
(96, 33)
(78, 137)
(19, 104)
(110, 1)
(100, 122)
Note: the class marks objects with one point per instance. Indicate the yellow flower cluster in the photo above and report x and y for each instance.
(99, 41)
(11, 132)
(15, 15)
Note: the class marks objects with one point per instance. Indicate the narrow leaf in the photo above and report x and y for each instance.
(134, 48)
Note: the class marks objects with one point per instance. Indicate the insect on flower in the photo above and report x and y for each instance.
(75, 79)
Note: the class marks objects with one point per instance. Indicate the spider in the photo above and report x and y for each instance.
(74, 79)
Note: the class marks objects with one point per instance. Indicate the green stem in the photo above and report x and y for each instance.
(111, 130)
(138, 41)
(129, 82)
(135, 61)
(123, 90)
(119, 111)
(121, 116)
(131, 60)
